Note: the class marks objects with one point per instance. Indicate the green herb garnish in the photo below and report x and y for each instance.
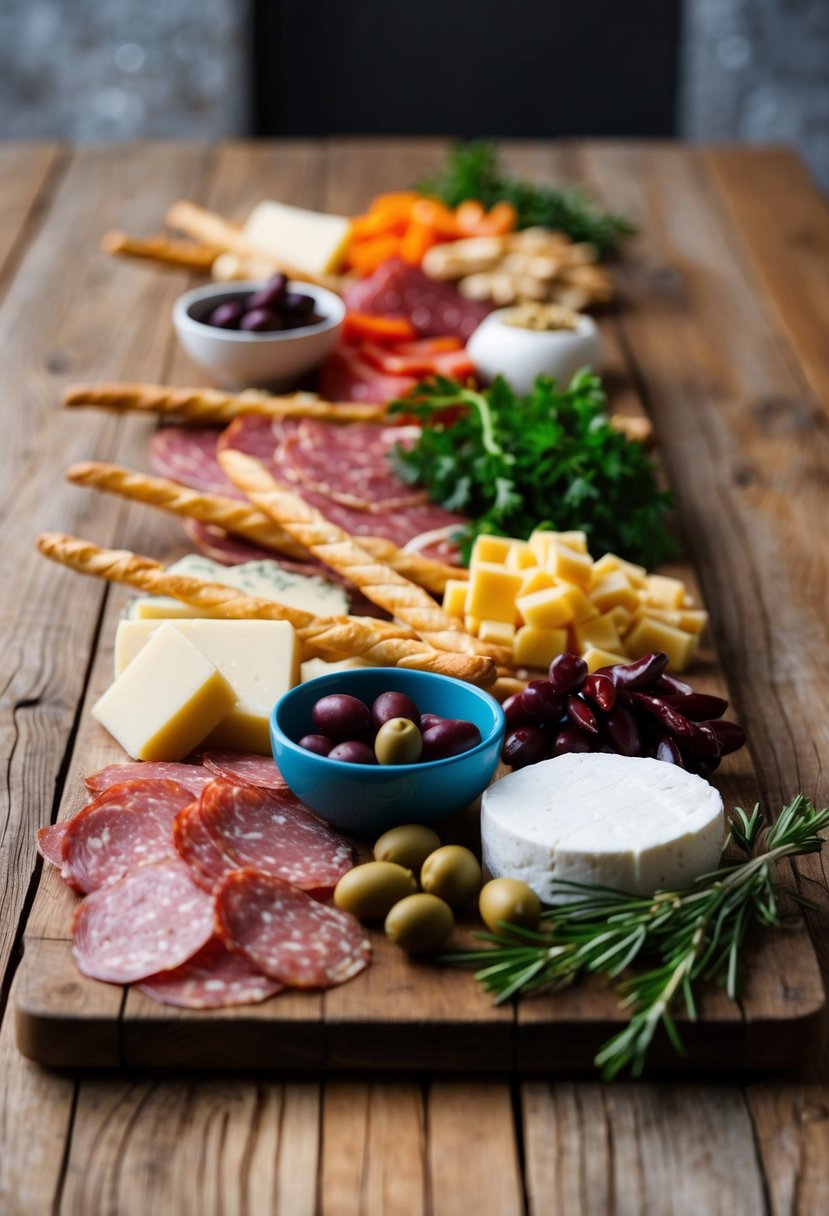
(472, 173)
(691, 936)
(548, 459)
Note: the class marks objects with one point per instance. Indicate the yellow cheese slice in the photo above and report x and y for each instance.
(308, 240)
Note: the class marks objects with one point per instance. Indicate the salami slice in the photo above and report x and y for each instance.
(192, 776)
(188, 455)
(245, 768)
(198, 848)
(288, 935)
(434, 308)
(50, 843)
(125, 827)
(153, 919)
(346, 376)
(272, 831)
(212, 979)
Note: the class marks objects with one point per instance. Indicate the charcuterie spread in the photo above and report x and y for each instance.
(425, 549)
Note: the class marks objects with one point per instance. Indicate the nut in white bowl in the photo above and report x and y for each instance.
(242, 359)
(520, 355)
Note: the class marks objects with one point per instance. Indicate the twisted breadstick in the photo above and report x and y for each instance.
(211, 405)
(376, 641)
(186, 255)
(342, 552)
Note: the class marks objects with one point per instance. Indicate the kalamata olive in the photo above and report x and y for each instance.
(393, 705)
(514, 711)
(525, 745)
(730, 734)
(642, 673)
(292, 320)
(600, 691)
(419, 924)
(621, 728)
(698, 706)
(568, 672)
(408, 845)
(449, 738)
(272, 295)
(370, 891)
(572, 740)
(429, 720)
(398, 742)
(260, 320)
(341, 717)
(581, 715)
(511, 901)
(320, 744)
(541, 702)
(227, 315)
(453, 873)
(353, 751)
(299, 304)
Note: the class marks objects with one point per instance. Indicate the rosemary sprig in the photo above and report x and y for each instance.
(692, 935)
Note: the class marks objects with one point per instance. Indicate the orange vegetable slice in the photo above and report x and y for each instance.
(366, 256)
(363, 326)
(432, 213)
(417, 239)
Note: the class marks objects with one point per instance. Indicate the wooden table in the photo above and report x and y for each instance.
(722, 335)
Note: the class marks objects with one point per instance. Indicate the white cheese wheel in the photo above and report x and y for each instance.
(634, 824)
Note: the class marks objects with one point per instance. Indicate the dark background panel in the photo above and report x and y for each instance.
(466, 67)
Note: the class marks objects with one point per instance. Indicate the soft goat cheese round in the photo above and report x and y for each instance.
(634, 824)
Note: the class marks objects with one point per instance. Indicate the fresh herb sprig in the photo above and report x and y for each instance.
(472, 172)
(515, 463)
(692, 936)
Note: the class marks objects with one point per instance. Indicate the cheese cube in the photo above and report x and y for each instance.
(454, 597)
(601, 631)
(574, 540)
(499, 633)
(580, 604)
(648, 635)
(549, 608)
(637, 574)
(520, 556)
(615, 589)
(167, 700)
(538, 647)
(259, 659)
(472, 624)
(491, 549)
(540, 541)
(307, 240)
(606, 564)
(536, 579)
(665, 592)
(693, 620)
(621, 618)
(568, 565)
(492, 592)
(595, 658)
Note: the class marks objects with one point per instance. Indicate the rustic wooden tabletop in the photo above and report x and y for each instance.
(721, 334)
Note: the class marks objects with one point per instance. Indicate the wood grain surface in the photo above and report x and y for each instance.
(719, 333)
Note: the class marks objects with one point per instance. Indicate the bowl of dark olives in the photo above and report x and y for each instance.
(258, 335)
(370, 748)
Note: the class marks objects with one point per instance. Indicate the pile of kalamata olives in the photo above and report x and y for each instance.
(631, 709)
(271, 308)
(392, 731)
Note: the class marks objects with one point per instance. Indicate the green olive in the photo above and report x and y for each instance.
(409, 845)
(370, 890)
(453, 874)
(419, 924)
(509, 900)
(398, 742)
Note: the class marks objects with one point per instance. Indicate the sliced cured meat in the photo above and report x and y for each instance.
(125, 827)
(197, 847)
(245, 768)
(346, 375)
(153, 919)
(272, 831)
(188, 455)
(221, 546)
(287, 935)
(434, 308)
(192, 776)
(212, 979)
(50, 843)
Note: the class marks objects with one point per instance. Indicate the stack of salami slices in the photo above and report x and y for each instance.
(206, 884)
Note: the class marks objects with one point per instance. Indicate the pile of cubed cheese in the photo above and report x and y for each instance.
(547, 596)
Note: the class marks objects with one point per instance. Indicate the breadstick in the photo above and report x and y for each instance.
(187, 255)
(342, 552)
(376, 641)
(243, 519)
(210, 405)
(215, 230)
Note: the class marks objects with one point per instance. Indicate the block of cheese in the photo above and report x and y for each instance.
(638, 825)
(259, 659)
(492, 592)
(307, 240)
(311, 668)
(167, 701)
(264, 578)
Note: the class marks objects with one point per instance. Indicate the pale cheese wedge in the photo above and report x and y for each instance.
(307, 240)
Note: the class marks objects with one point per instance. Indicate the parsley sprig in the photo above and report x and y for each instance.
(550, 458)
(690, 936)
(472, 172)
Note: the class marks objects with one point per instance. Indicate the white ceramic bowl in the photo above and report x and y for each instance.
(239, 359)
(519, 355)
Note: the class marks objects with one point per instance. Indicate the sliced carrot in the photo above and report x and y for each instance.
(432, 213)
(468, 217)
(387, 213)
(429, 346)
(417, 239)
(399, 201)
(366, 256)
(363, 326)
(472, 220)
(393, 362)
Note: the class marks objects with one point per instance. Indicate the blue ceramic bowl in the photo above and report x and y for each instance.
(366, 799)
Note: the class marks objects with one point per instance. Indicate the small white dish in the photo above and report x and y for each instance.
(520, 355)
(241, 359)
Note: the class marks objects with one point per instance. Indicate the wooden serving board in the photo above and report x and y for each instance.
(400, 1014)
